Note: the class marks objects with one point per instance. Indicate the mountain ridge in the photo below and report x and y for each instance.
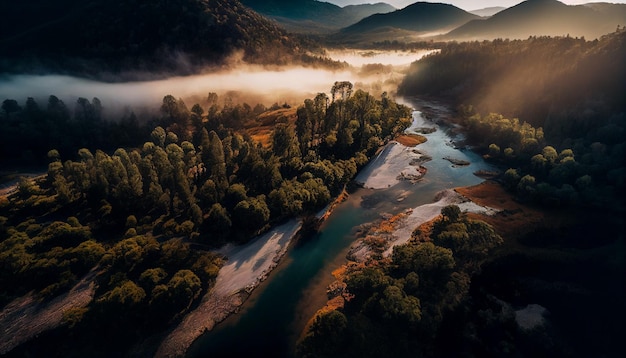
(488, 11)
(544, 18)
(419, 17)
(315, 16)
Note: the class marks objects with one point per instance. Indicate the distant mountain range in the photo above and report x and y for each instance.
(545, 18)
(183, 35)
(314, 16)
(418, 17)
(440, 21)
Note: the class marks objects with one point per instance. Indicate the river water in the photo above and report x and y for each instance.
(274, 316)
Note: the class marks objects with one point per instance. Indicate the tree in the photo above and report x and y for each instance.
(10, 106)
(214, 159)
(282, 138)
(550, 154)
(511, 178)
(126, 296)
(217, 222)
(426, 259)
(85, 112)
(169, 107)
(150, 278)
(251, 214)
(494, 150)
(397, 305)
(184, 288)
(343, 88)
(158, 136)
(326, 336)
(57, 110)
(526, 186)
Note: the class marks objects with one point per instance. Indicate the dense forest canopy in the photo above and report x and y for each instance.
(550, 109)
(396, 306)
(537, 80)
(142, 216)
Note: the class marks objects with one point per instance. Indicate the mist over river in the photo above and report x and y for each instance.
(272, 319)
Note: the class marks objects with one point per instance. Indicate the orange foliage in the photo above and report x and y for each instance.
(422, 232)
(411, 140)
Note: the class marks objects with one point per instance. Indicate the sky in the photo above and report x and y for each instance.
(463, 4)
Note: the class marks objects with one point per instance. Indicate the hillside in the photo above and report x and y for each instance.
(419, 17)
(488, 11)
(545, 18)
(535, 80)
(308, 16)
(133, 35)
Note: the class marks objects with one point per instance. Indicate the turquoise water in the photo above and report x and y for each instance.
(272, 319)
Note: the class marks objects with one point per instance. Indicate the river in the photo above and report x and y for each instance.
(274, 316)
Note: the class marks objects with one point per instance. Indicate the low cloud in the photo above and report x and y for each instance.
(255, 84)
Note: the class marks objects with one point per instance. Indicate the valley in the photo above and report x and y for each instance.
(191, 178)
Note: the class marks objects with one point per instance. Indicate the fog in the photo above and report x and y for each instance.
(269, 85)
(243, 83)
(363, 57)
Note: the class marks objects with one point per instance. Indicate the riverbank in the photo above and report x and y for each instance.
(378, 240)
(247, 267)
(26, 317)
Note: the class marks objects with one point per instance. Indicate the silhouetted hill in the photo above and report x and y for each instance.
(488, 11)
(545, 17)
(95, 35)
(315, 16)
(419, 17)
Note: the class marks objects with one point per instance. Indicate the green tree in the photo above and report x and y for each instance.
(397, 305)
(251, 214)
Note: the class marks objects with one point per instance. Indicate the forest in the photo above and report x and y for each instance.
(129, 206)
(396, 306)
(143, 217)
(549, 113)
(135, 39)
(548, 110)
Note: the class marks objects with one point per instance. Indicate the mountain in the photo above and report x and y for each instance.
(488, 11)
(545, 18)
(418, 17)
(94, 34)
(314, 16)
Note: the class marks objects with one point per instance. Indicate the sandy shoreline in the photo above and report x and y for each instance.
(402, 225)
(247, 267)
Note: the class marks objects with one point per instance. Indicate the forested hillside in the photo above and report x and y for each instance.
(141, 217)
(309, 16)
(561, 114)
(95, 36)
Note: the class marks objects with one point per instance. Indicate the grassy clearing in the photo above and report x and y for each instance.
(262, 127)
